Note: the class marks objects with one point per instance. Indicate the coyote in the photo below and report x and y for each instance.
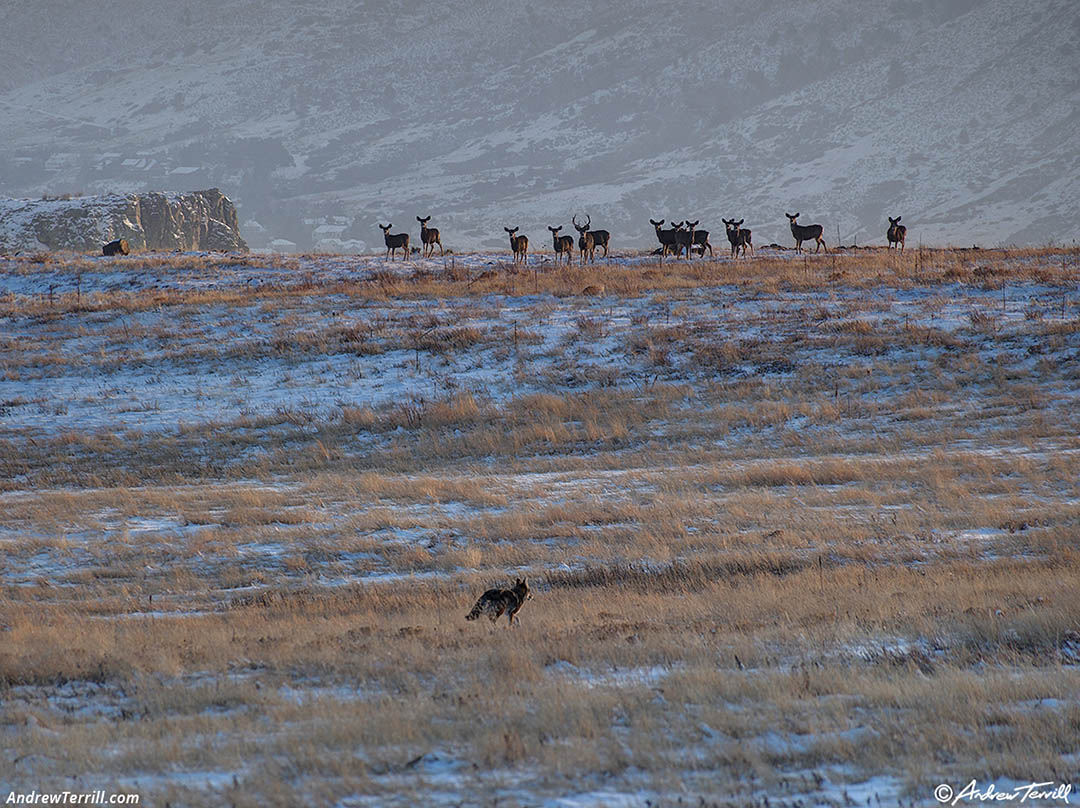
(496, 601)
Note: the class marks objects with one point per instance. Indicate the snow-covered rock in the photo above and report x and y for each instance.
(200, 220)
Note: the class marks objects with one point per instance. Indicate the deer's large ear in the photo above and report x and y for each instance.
(898, 218)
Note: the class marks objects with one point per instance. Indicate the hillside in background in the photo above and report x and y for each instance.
(961, 115)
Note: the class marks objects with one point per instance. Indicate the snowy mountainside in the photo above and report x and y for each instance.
(959, 114)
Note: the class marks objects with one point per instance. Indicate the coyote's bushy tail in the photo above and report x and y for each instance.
(477, 610)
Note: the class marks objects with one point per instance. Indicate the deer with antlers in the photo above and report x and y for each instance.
(395, 242)
(600, 237)
(739, 237)
(562, 244)
(897, 232)
(665, 237)
(586, 240)
(519, 244)
(805, 233)
(429, 237)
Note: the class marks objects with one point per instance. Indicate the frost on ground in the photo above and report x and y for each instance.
(314, 355)
(800, 532)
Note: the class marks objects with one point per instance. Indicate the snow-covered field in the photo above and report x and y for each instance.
(799, 531)
(157, 367)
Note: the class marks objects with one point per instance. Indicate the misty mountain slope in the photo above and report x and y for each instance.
(961, 115)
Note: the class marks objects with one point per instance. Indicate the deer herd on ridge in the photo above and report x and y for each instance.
(684, 237)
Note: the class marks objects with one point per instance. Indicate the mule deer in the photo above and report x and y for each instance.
(701, 242)
(519, 244)
(665, 237)
(398, 241)
(806, 232)
(600, 237)
(429, 236)
(562, 244)
(739, 237)
(684, 238)
(897, 232)
(586, 241)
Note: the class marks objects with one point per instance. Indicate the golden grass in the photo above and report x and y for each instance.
(747, 653)
(767, 272)
(830, 546)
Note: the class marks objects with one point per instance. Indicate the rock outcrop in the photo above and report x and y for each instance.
(198, 220)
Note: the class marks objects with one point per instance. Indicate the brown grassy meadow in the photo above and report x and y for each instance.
(800, 532)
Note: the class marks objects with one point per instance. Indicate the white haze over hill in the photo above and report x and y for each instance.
(961, 115)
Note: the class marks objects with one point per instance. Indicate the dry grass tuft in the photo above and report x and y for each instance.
(789, 525)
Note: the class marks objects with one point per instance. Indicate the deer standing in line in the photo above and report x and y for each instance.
(897, 232)
(806, 232)
(701, 242)
(586, 240)
(398, 241)
(739, 237)
(600, 237)
(562, 244)
(684, 238)
(429, 236)
(665, 237)
(519, 244)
